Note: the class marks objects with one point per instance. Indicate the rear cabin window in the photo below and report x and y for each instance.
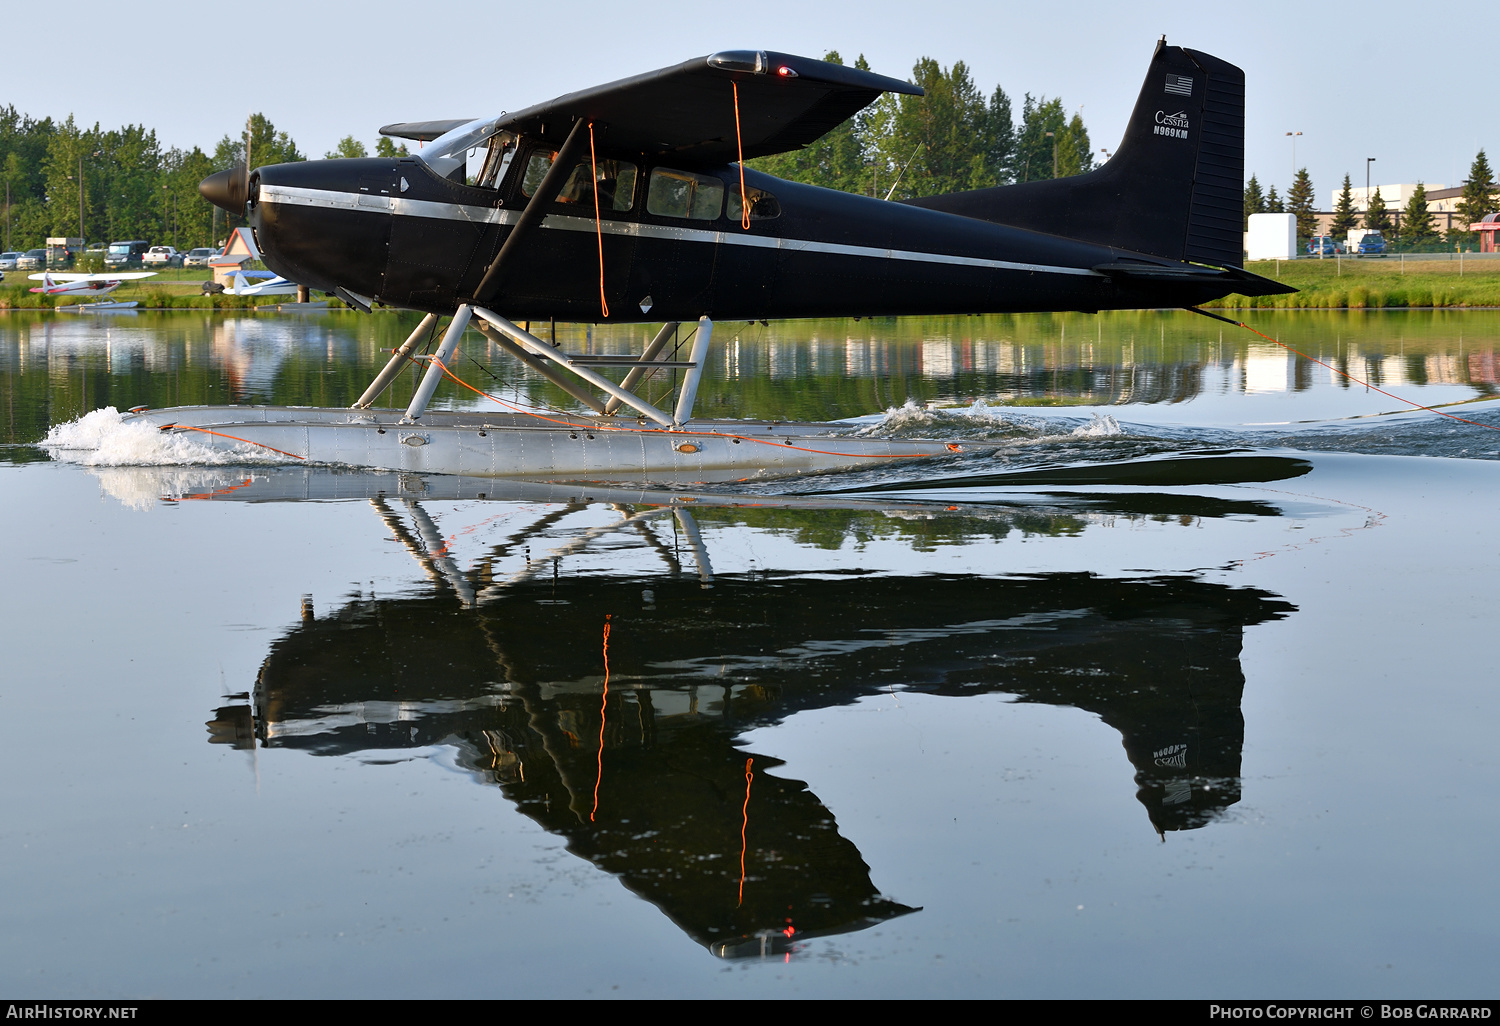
(684, 194)
(615, 179)
(763, 205)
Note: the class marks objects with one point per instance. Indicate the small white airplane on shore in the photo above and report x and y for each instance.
(245, 283)
(84, 284)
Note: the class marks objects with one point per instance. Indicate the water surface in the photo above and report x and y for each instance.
(1180, 690)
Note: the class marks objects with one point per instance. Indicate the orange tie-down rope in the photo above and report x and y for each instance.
(745, 823)
(1351, 377)
(603, 705)
(740, 143)
(952, 446)
(220, 434)
(598, 226)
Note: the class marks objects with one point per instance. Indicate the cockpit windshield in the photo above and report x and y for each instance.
(474, 154)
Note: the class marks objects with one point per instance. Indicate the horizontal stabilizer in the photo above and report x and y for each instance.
(422, 131)
(1241, 281)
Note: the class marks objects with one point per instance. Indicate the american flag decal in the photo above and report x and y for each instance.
(1180, 85)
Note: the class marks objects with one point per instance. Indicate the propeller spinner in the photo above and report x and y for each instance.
(229, 189)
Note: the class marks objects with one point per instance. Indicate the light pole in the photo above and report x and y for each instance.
(1053, 137)
(166, 212)
(80, 192)
(1368, 162)
(1293, 137)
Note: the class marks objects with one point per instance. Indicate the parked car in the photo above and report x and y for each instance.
(1324, 245)
(1373, 244)
(162, 256)
(199, 257)
(32, 260)
(125, 254)
(8, 259)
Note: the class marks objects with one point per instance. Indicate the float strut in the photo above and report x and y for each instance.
(435, 366)
(526, 340)
(637, 372)
(540, 366)
(694, 373)
(397, 364)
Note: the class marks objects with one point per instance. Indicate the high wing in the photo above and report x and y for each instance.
(104, 276)
(784, 102)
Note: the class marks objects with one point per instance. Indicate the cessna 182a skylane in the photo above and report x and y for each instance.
(629, 202)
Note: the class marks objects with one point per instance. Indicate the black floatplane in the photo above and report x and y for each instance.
(629, 202)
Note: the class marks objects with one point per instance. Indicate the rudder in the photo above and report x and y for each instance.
(1172, 190)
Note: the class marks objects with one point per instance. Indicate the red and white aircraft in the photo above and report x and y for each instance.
(84, 284)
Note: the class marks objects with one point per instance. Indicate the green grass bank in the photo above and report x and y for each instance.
(1359, 284)
(172, 289)
(1376, 283)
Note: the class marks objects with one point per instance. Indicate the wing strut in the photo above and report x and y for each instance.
(552, 184)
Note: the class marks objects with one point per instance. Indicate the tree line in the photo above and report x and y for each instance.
(953, 138)
(104, 185)
(1417, 225)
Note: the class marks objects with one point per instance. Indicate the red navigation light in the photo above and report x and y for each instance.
(786, 72)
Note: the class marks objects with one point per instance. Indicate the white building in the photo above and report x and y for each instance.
(1395, 196)
(1442, 202)
(1271, 237)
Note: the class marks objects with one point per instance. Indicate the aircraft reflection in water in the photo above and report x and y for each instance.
(607, 706)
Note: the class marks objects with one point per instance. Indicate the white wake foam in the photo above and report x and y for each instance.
(103, 438)
(981, 421)
(1101, 425)
(976, 420)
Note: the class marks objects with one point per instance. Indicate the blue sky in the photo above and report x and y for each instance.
(1379, 79)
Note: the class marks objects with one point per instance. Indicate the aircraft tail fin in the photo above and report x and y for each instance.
(1175, 187)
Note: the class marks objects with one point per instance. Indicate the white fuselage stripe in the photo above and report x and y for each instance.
(299, 197)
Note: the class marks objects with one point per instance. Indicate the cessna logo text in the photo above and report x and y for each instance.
(1174, 125)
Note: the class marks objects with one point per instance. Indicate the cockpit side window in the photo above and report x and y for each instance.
(474, 154)
(493, 161)
(615, 178)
